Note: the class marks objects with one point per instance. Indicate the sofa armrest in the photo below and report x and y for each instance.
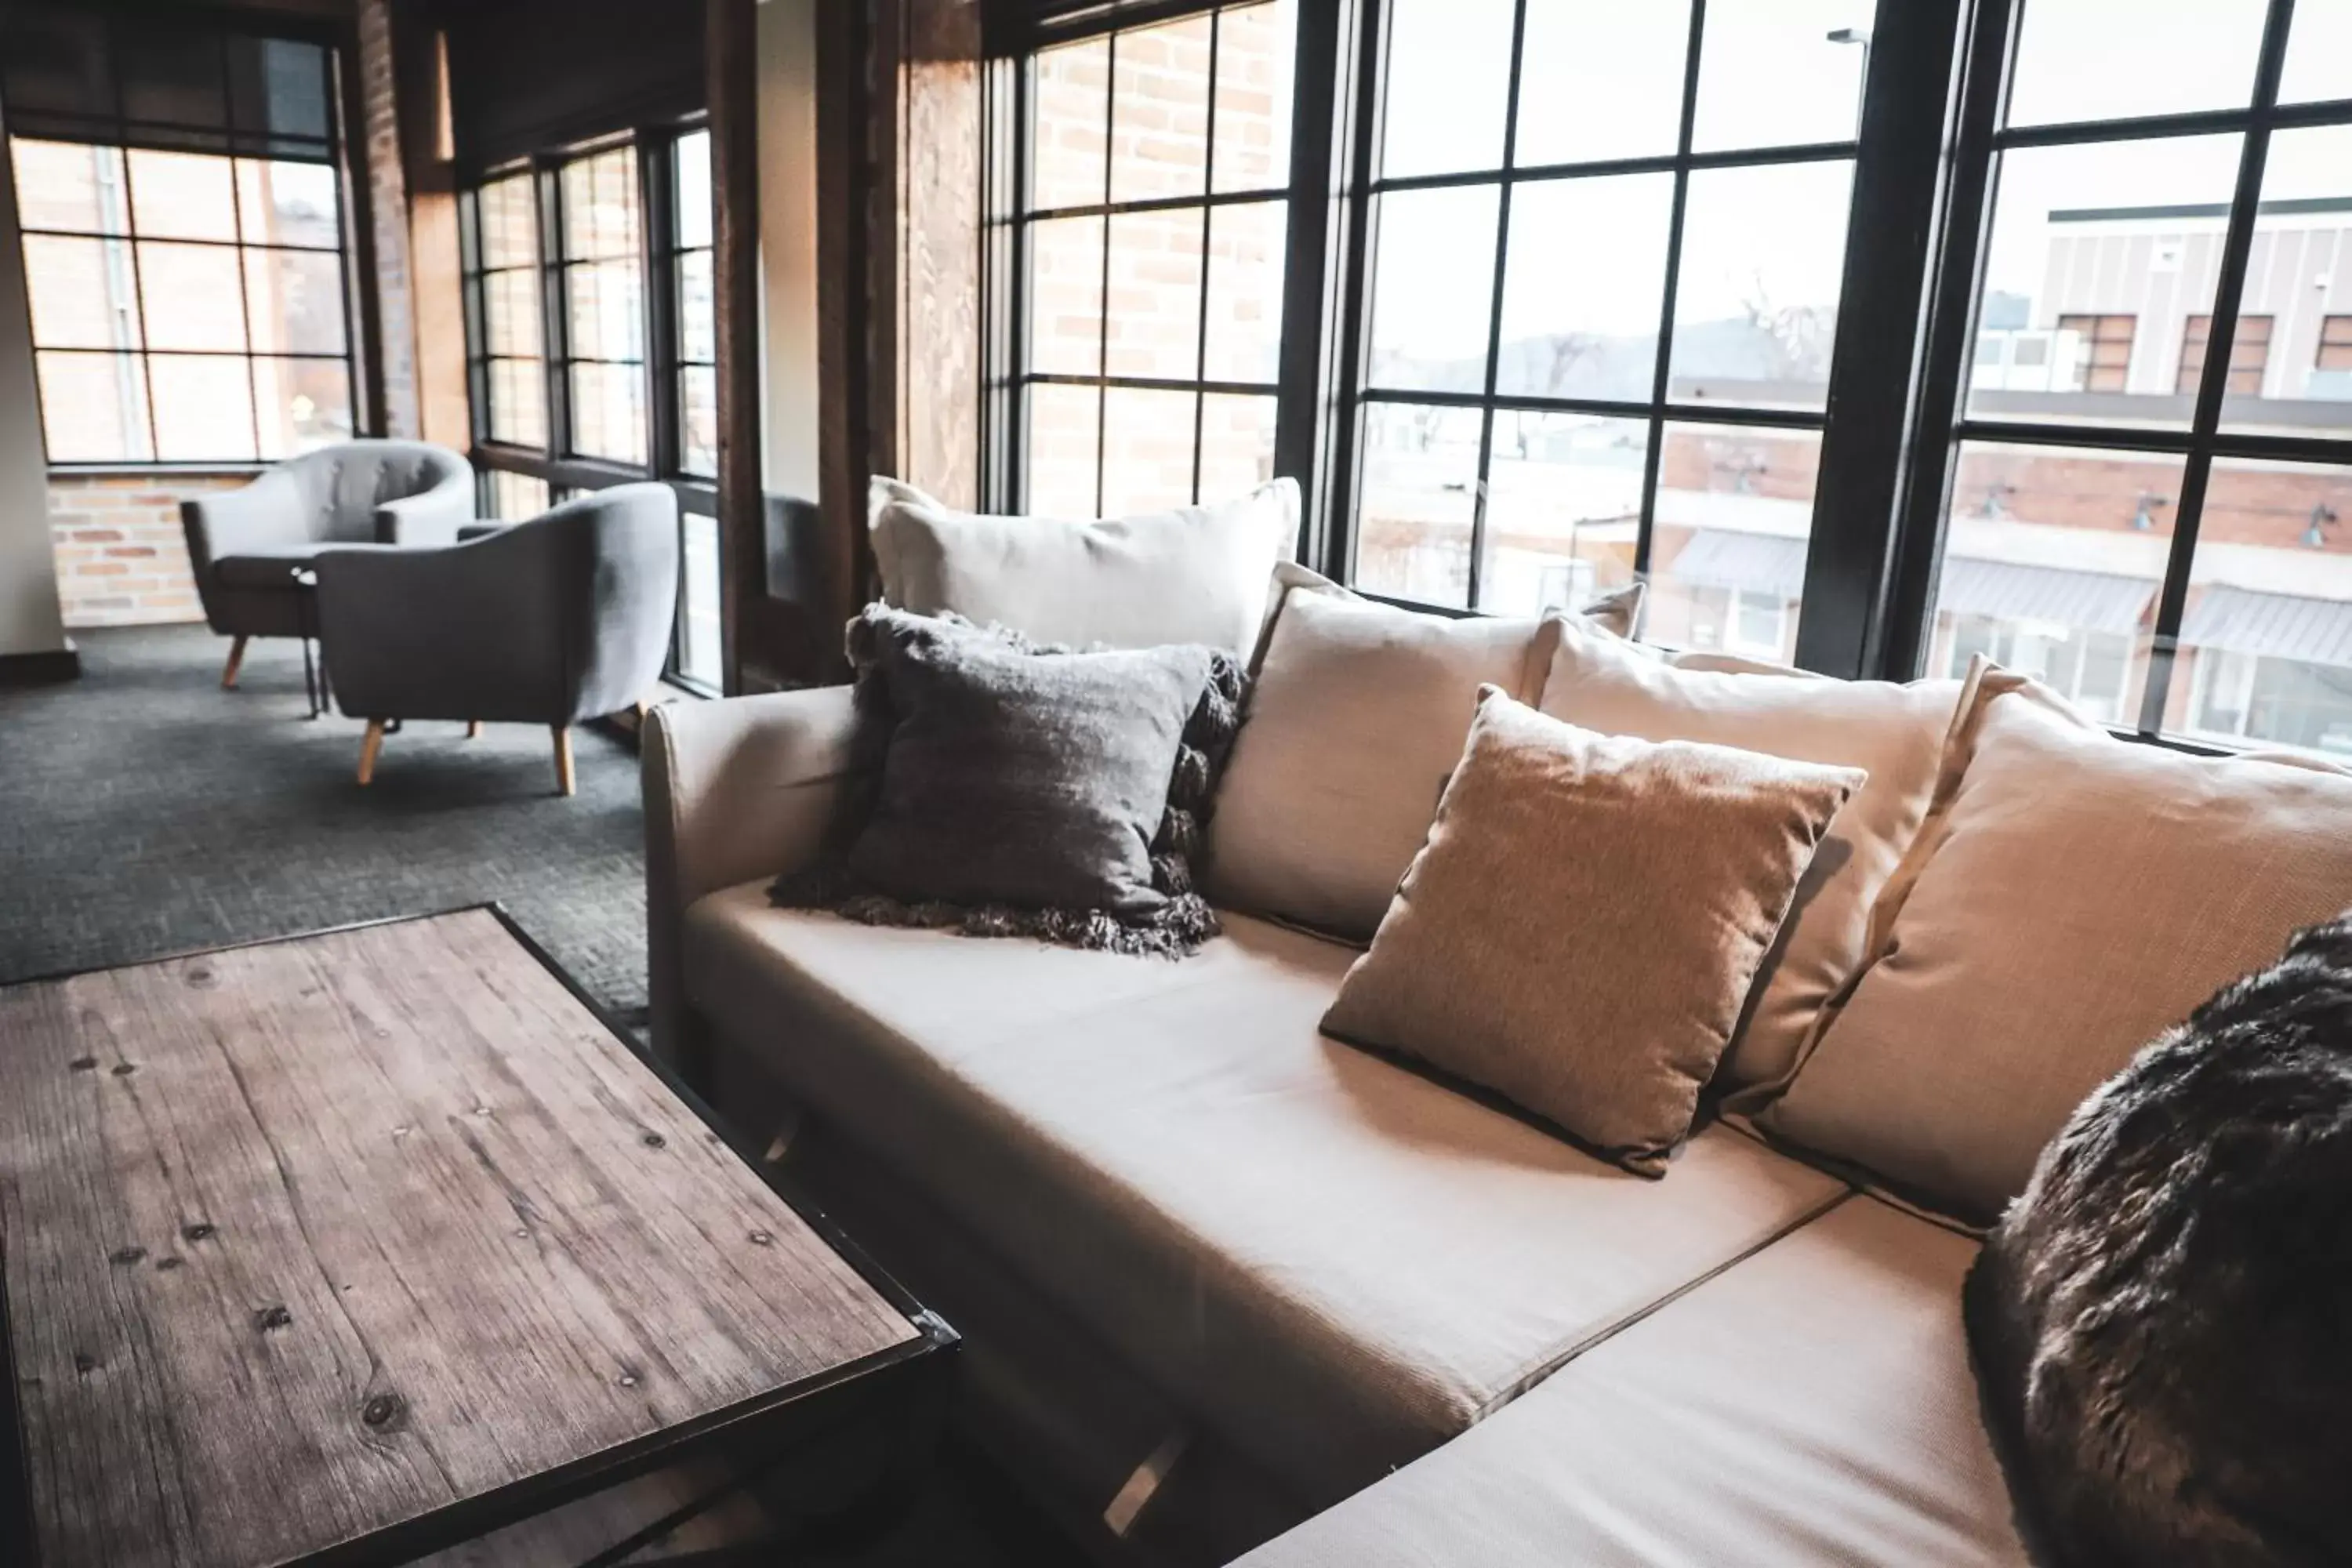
(735, 789)
(436, 516)
(257, 516)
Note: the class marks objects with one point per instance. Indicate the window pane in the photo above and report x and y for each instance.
(1155, 294)
(191, 298)
(608, 412)
(2106, 59)
(518, 402)
(82, 292)
(1255, 71)
(1603, 81)
(303, 402)
(1159, 112)
(600, 206)
(1147, 450)
(1419, 502)
(1581, 318)
(171, 74)
(295, 297)
(288, 203)
(1563, 510)
(698, 309)
(607, 305)
(1247, 246)
(1449, 80)
(182, 196)
(693, 154)
(2087, 291)
(1071, 87)
(204, 407)
(2318, 53)
(1236, 445)
(277, 86)
(1066, 259)
(1772, 74)
(697, 420)
(2266, 637)
(63, 185)
(1763, 261)
(1063, 429)
(509, 223)
(2298, 275)
(511, 313)
(699, 656)
(1727, 557)
(517, 498)
(94, 408)
(2053, 559)
(1432, 288)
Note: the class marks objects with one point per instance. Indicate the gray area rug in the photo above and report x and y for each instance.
(144, 811)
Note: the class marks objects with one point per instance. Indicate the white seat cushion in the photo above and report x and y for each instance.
(1333, 1262)
(1810, 1405)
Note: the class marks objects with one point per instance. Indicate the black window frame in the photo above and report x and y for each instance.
(564, 473)
(122, 132)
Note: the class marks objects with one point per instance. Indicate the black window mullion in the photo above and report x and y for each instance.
(1324, 76)
(1660, 374)
(1200, 331)
(1478, 492)
(657, 369)
(555, 320)
(2229, 293)
(1102, 301)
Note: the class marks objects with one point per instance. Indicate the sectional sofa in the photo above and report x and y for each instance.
(1232, 1289)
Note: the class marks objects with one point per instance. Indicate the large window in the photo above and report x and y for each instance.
(2159, 531)
(594, 341)
(183, 241)
(1152, 233)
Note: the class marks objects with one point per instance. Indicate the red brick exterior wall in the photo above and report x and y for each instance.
(122, 559)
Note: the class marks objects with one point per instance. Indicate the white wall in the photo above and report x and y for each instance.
(788, 313)
(29, 622)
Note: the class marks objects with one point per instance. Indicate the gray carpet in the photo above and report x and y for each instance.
(144, 811)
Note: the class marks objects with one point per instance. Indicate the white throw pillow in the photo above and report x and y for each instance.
(1194, 575)
(1359, 713)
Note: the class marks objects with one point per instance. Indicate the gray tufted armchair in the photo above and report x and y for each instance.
(246, 545)
(548, 622)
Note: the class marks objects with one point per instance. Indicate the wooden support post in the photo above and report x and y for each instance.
(473, 728)
(564, 784)
(370, 745)
(236, 663)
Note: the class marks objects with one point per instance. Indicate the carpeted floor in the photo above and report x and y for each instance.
(144, 811)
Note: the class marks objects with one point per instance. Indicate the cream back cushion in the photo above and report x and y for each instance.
(1193, 574)
(2072, 897)
(1358, 715)
(1895, 734)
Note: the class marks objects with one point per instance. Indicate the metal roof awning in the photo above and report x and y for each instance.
(2280, 625)
(1767, 563)
(2008, 590)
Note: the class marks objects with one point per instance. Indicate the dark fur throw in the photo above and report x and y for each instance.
(2162, 1322)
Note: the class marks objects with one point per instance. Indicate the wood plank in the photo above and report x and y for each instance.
(305, 1239)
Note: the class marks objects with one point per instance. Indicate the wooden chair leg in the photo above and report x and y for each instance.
(236, 662)
(643, 708)
(473, 728)
(370, 745)
(563, 780)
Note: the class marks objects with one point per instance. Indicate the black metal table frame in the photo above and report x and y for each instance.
(911, 1380)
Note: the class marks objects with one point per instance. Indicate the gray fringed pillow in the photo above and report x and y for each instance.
(1030, 791)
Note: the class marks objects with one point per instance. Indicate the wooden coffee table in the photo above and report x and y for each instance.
(354, 1246)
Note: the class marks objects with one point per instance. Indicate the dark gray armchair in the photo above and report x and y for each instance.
(246, 545)
(548, 622)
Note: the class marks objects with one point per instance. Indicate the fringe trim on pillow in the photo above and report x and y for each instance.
(1176, 929)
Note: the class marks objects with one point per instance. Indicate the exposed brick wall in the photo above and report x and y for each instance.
(122, 559)
(388, 209)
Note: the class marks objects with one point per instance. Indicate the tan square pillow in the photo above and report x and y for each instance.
(1895, 734)
(1357, 716)
(1585, 921)
(1192, 574)
(2072, 896)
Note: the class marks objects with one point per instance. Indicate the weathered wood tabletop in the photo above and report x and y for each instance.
(306, 1239)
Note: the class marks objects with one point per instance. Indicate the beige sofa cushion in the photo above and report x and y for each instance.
(1583, 926)
(1895, 734)
(1333, 1262)
(1193, 574)
(1810, 1405)
(2072, 896)
(1358, 715)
